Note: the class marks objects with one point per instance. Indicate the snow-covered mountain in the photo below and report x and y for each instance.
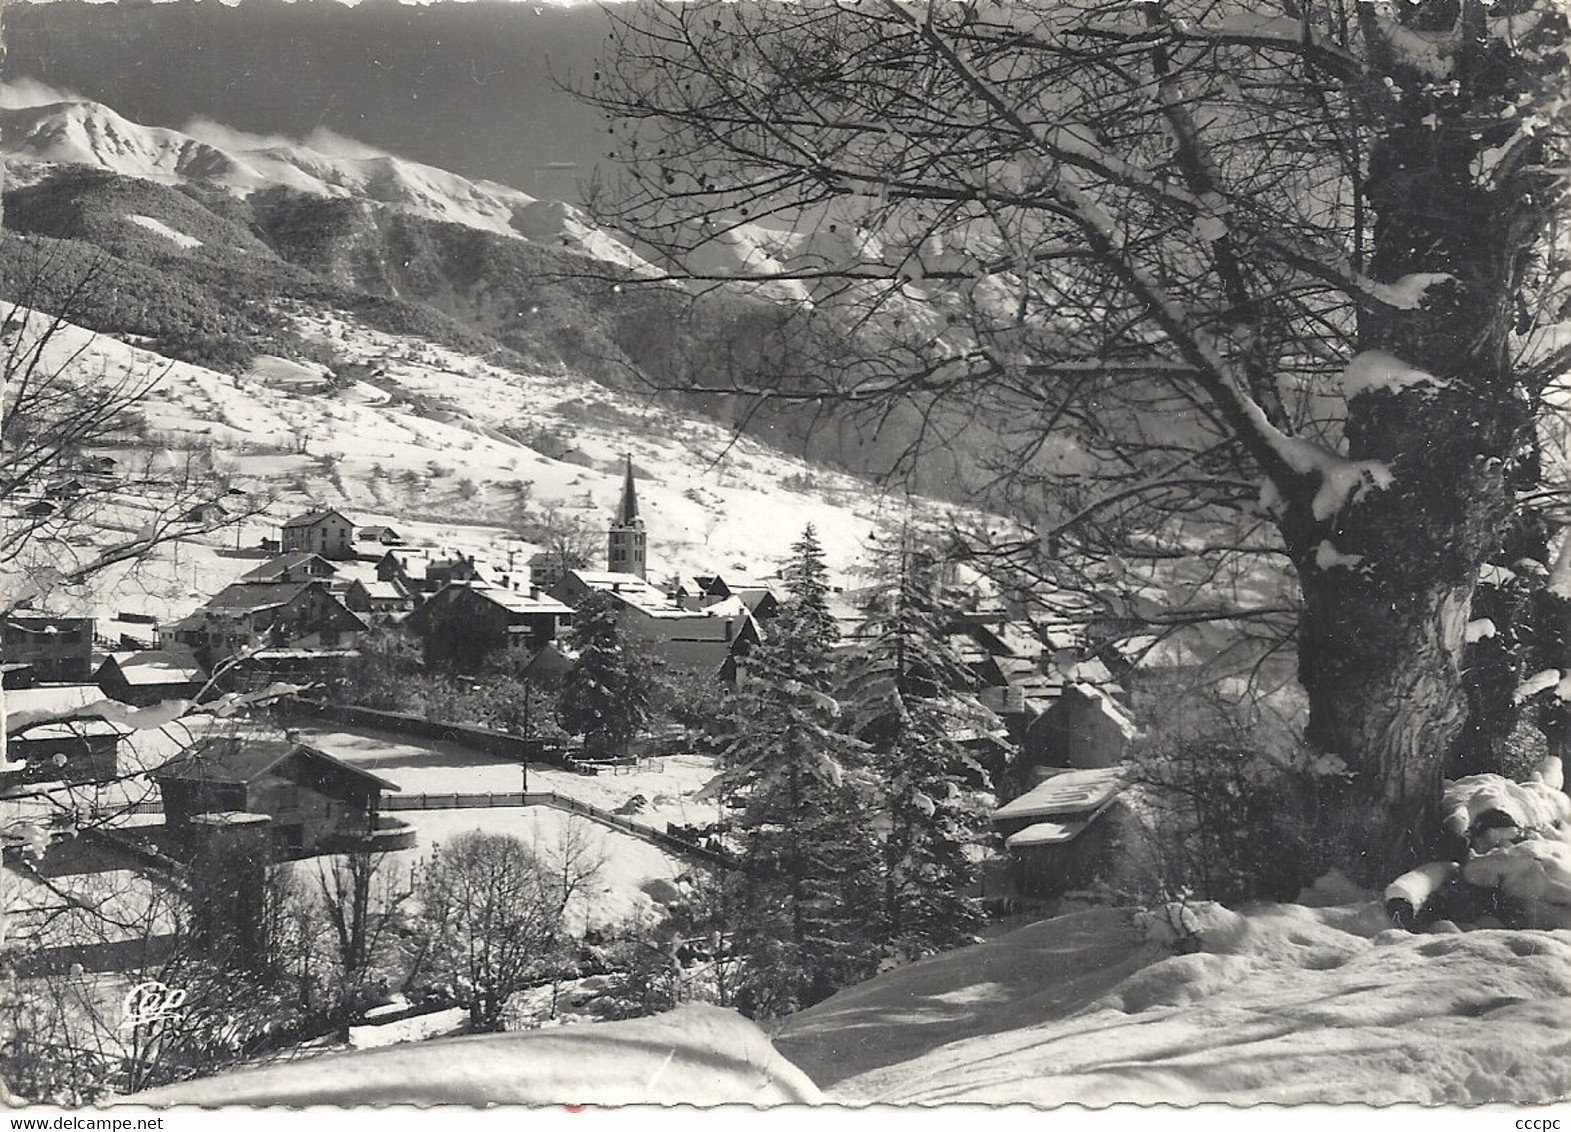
(92, 134)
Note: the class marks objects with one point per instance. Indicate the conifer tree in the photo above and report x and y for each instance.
(605, 697)
(797, 782)
(908, 694)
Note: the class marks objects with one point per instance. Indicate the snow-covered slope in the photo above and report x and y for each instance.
(89, 133)
(1287, 1004)
(699, 1055)
(452, 452)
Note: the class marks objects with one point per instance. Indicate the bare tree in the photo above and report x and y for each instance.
(493, 911)
(1252, 301)
(362, 901)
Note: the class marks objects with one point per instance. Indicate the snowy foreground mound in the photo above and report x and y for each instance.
(1287, 1004)
(695, 1055)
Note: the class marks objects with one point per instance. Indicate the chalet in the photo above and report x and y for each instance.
(325, 531)
(65, 489)
(295, 566)
(312, 802)
(317, 665)
(39, 510)
(548, 667)
(151, 676)
(686, 592)
(546, 569)
(58, 648)
(263, 614)
(441, 572)
(97, 465)
(420, 573)
(1056, 832)
(756, 595)
(384, 536)
(60, 746)
(380, 598)
(205, 513)
(462, 623)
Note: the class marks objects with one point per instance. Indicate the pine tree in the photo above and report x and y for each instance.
(605, 697)
(797, 782)
(909, 694)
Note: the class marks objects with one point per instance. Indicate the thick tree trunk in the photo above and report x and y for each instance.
(1382, 638)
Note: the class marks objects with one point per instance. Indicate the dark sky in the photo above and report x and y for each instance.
(468, 87)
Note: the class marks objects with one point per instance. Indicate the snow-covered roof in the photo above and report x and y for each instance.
(54, 700)
(312, 518)
(242, 597)
(51, 698)
(623, 584)
(169, 665)
(515, 602)
(274, 568)
(1045, 833)
(1110, 708)
(1072, 792)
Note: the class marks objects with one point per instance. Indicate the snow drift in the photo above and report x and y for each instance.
(1284, 1004)
(695, 1055)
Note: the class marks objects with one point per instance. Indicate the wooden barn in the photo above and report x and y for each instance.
(313, 803)
(151, 675)
(1055, 832)
(59, 746)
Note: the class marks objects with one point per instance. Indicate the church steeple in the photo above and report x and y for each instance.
(627, 513)
(627, 544)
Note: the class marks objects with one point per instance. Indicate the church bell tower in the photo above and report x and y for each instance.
(627, 546)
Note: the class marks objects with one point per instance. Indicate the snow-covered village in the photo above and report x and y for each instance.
(829, 553)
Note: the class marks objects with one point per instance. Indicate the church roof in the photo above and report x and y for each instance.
(627, 510)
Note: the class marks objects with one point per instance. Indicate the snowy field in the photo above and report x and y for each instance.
(422, 766)
(433, 766)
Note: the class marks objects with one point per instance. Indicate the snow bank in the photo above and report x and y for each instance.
(1532, 806)
(696, 1055)
(1534, 873)
(1300, 1005)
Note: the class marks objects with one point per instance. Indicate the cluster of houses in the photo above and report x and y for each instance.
(298, 616)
